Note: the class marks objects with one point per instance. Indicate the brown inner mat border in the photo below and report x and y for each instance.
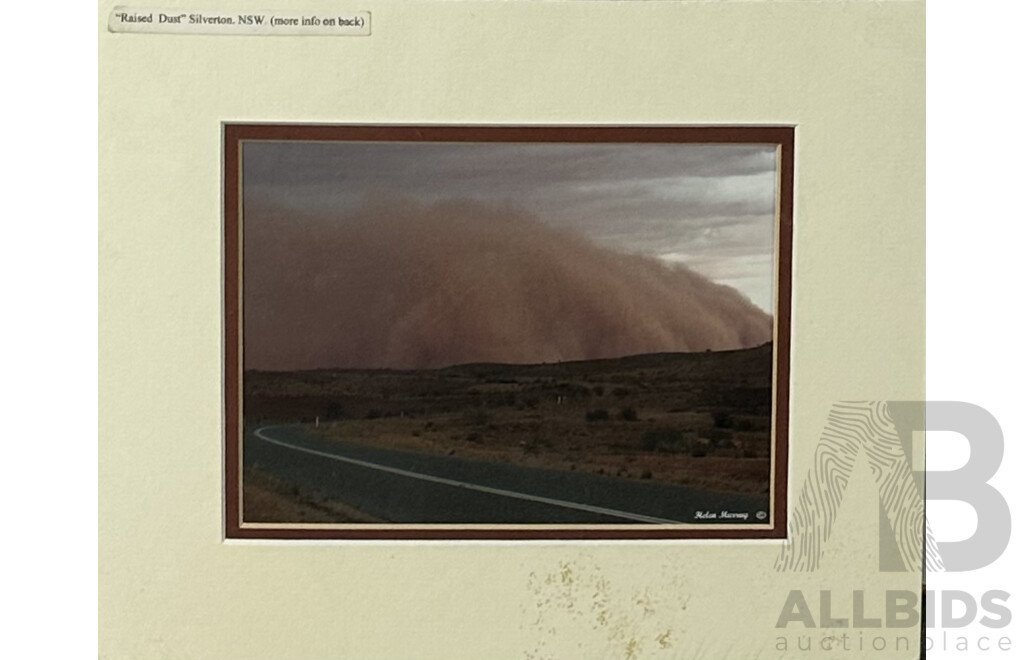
(235, 133)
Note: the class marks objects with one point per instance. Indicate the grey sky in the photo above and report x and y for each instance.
(711, 207)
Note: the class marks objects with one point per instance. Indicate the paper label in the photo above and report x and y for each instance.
(252, 23)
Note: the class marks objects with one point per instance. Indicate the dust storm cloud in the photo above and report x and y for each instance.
(413, 285)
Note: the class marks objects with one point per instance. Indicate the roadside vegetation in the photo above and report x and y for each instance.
(702, 419)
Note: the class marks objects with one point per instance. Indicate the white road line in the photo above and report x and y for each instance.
(462, 484)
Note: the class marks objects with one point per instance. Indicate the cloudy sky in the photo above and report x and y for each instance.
(710, 207)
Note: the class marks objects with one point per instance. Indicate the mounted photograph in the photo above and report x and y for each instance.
(506, 332)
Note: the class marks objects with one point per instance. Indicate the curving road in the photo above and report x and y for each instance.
(405, 487)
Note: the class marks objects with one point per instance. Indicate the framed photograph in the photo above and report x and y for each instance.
(507, 329)
(507, 332)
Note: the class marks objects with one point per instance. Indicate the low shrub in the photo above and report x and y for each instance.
(662, 439)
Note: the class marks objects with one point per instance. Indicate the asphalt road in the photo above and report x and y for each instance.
(405, 487)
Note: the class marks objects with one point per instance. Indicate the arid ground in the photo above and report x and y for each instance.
(698, 419)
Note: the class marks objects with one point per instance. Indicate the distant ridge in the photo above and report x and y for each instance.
(638, 361)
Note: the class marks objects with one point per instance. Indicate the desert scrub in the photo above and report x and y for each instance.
(662, 439)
